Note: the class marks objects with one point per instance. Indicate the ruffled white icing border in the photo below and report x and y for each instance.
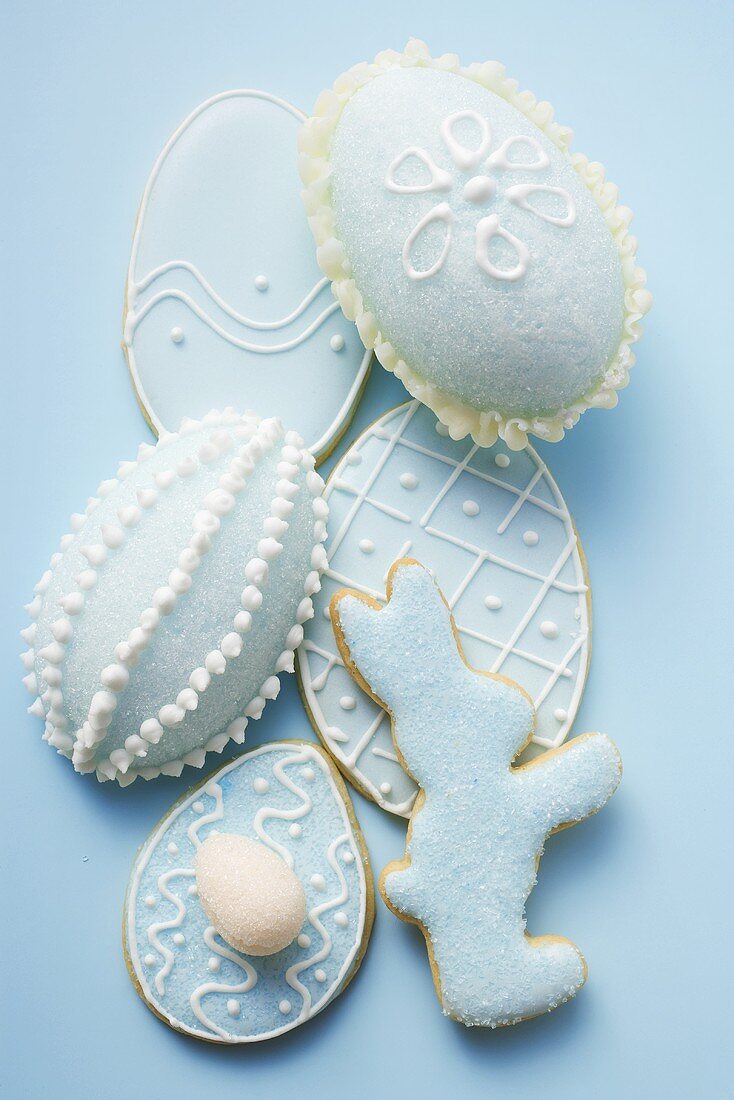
(315, 139)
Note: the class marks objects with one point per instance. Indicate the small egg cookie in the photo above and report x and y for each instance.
(489, 267)
(479, 824)
(176, 600)
(495, 530)
(250, 906)
(224, 301)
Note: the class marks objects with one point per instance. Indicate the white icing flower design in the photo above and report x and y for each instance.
(479, 189)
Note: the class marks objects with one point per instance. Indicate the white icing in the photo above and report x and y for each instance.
(200, 200)
(500, 588)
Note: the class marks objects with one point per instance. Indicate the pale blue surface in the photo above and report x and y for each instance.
(90, 93)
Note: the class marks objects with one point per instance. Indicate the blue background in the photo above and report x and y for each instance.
(90, 92)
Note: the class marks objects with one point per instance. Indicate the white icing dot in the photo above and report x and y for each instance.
(367, 546)
(531, 538)
(560, 714)
(494, 603)
(233, 1007)
(295, 831)
(150, 901)
(470, 508)
(149, 960)
(261, 282)
(319, 975)
(337, 342)
(214, 964)
(385, 788)
(347, 856)
(304, 940)
(285, 1007)
(441, 429)
(177, 334)
(549, 629)
(503, 461)
(327, 612)
(318, 882)
(172, 849)
(198, 807)
(408, 480)
(308, 774)
(354, 457)
(192, 891)
(260, 785)
(179, 938)
(341, 920)
(347, 702)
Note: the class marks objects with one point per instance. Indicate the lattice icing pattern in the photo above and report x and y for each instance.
(492, 525)
(288, 797)
(225, 304)
(177, 598)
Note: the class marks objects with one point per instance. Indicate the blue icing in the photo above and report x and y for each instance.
(207, 614)
(474, 563)
(523, 347)
(175, 977)
(476, 834)
(222, 270)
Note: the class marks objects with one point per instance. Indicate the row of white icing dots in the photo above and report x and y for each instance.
(315, 139)
(260, 437)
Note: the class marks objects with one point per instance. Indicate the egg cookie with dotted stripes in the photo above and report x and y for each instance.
(250, 906)
(177, 598)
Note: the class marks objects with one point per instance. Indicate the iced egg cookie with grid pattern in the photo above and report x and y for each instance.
(177, 598)
(250, 906)
(492, 525)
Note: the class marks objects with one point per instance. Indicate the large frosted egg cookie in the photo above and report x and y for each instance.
(250, 906)
(489, 267)
(225, 304)
(492, 525)
(177, 598)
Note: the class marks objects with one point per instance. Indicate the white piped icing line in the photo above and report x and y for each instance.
(315, 140)
(212, 978)
(81, 744)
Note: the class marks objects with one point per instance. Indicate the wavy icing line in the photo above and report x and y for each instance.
(136, 288)
(291, 974)
(214, 791)
(244, 345)
(284, 815)
(163, 926)
(220, 987)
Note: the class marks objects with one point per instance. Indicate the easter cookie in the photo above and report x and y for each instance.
(478, 826)
(250, 906)
(489, 267)
(224, 303)
(493, 527)
(177, 598)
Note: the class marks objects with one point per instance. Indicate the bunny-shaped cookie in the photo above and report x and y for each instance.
(479, 824)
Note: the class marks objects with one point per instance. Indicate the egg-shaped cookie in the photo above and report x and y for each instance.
(493, 526)
(489, 267)
(224, 301)
(177, 598)
(269, 839)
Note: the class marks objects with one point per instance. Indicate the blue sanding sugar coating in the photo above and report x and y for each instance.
(173, 950)
(202, 617)
(476, 837)
(523, 348)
